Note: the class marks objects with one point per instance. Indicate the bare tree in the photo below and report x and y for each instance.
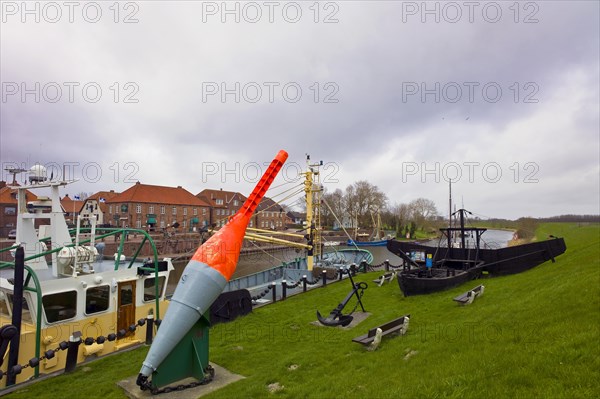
(422, 210)
(397, 217)
(335, 201)
(363, 200)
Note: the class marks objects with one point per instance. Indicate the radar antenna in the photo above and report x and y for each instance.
(14, 172)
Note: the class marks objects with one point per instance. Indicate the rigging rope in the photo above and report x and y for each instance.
(272, 256)
(340, 223)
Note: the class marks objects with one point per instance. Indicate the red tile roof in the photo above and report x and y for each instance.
(146, 193)
(268, 205)
(210, 196)
(70, 205)
(8, 195)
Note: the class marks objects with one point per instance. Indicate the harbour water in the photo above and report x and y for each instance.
(491, 239)
(258, 261)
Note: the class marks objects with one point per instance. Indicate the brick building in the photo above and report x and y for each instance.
(270, 215)
(145, 206)
(296, 218)
(8, 208)
(223, 204)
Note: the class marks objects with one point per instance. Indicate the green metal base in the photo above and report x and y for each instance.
(188, 359)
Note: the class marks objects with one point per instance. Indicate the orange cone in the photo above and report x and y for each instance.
(222, 250)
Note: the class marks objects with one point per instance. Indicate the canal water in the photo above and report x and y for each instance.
(490, 239)
(256, 262)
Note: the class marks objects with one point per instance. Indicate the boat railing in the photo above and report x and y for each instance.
(123, 233)
(256, 279)
(107, 233)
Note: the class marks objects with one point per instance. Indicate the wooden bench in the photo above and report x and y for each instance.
(398, 326)
(386, 277)
(469, 296)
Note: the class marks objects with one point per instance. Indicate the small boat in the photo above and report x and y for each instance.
(379, 243)
(366, 240)
(420, 281)
(429, 269)
(66, 287)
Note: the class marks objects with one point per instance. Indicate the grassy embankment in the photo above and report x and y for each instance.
(535, 334)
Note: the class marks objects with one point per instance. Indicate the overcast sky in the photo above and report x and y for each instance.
(501, 97)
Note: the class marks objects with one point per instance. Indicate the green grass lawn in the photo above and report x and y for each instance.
(531, 335)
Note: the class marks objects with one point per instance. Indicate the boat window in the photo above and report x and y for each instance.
(26, 315)
(150, 290)
(60, 306)
(3, 305)
(96, 299)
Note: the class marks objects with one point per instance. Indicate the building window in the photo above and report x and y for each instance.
(203, 211)
(174, 210)
(195, 211)
(96, 299)
(60, 306)
(138, 224)
(219, 201)
(151, 209)
(150, 288)
(138, 208)
(162, 209)
(10, 210)
(184, 223)
(184, 211)
(236, 203)
(110, 209)
(162, 224)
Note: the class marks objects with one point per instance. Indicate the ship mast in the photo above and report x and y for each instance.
(312, 188)
(450, 203)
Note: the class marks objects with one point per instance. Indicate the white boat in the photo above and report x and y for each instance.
(69, 288)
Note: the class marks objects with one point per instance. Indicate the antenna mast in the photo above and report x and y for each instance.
(450, 203)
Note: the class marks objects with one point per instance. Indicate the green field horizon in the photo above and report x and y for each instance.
(531, 335)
